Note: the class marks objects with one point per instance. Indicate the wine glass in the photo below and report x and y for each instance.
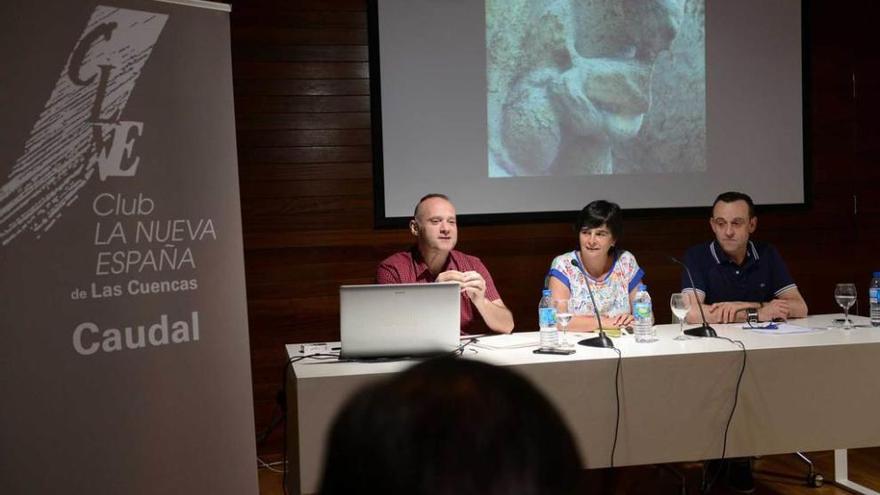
(680, 304)
(580, 307)
(563, 316)
(845, 295)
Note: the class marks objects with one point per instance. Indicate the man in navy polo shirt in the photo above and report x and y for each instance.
(434, 259)
(735, 278)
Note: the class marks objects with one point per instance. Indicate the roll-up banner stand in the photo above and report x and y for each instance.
(124, 349)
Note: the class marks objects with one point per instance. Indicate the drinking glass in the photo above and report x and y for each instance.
(580, 307)
(845, 295)
(680, 304)
(564, 315)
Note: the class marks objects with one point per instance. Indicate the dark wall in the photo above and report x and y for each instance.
(303, 125)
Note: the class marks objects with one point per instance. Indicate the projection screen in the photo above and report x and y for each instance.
(540, 106)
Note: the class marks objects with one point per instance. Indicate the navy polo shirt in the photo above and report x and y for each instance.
(762, 277)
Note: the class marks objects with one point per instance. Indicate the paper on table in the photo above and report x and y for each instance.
(508, 341)
(781, 328)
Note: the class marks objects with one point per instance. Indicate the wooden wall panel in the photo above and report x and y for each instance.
(301, 85)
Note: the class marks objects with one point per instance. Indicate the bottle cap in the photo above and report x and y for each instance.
(876, 274)
(546, 292)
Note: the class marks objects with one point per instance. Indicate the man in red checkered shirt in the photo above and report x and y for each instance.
(434, 259)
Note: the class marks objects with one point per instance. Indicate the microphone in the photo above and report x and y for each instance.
(704, 330)
(602, 340)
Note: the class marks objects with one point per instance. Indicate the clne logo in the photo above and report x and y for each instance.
(80, 129)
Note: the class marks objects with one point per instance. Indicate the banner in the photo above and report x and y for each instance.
(124, 350)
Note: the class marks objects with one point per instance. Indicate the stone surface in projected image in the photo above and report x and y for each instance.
(595, 87)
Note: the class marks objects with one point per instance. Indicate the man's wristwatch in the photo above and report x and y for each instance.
(752, 315)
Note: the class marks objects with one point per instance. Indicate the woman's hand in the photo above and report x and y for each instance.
(617, 321)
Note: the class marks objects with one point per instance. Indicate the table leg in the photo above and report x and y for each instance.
(841, 475)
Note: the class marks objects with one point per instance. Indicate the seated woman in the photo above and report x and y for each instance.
(612, 273)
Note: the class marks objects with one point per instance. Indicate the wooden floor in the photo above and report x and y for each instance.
(778, 474)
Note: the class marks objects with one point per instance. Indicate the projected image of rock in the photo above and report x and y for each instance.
(590, 87)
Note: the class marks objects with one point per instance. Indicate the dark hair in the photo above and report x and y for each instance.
(450, 426)
(426, 197)
(600, 213)
(731, 196)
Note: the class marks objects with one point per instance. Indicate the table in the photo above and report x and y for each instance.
(800, 392)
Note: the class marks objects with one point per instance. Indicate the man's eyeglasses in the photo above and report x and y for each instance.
(768, 325)
(736, 223)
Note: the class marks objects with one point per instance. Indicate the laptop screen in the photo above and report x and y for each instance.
(399, 319)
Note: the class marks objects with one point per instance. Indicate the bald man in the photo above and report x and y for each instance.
(434, 259)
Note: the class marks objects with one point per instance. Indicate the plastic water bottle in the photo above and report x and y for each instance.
(643, 313)
(874, 300)
(547, 321)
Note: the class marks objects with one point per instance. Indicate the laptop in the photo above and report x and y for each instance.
(397, 320)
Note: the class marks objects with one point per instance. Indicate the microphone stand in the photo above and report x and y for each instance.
(703, 330)
(602, 340)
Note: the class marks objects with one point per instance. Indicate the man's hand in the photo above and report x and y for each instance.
(775, 309)
(474, 286)
(726, 311)
(472, 283)
(450, 276)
